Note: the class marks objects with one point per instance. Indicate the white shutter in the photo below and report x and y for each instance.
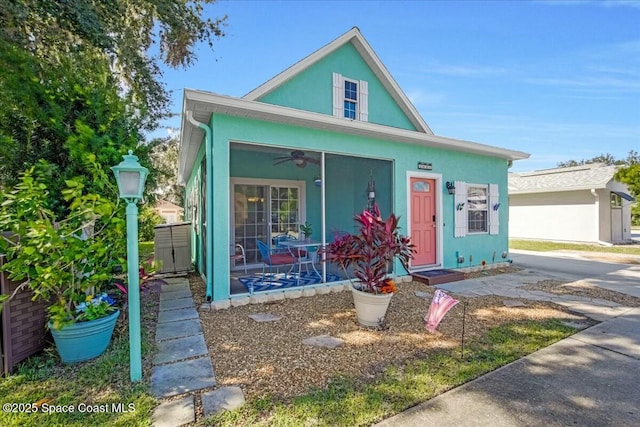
(363, 100)
(494, 212)
(460, 209)
(338, 95)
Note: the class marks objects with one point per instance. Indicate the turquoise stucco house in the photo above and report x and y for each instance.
(320, 142)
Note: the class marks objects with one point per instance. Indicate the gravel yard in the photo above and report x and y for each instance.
(270, 358)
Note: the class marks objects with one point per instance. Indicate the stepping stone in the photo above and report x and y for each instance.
(182, 377)
(173, 304)
(176, 315)
(177, 287)
(175, 413)
(182, 293)
(223, 399)
(179, 349)
(421, 294)
(265, 317)
(326, 341)
(513, 303)
(183, 328)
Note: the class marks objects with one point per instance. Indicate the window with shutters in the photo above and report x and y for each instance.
(350, 98)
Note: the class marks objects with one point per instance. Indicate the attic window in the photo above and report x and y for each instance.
(350, 98)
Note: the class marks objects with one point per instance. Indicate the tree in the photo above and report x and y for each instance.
(78, 78)
(124, 31)
(164, 157)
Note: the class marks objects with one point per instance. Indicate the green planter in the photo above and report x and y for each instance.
(84, 340)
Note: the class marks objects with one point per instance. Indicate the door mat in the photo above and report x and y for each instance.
(254, 283)
(437, 277)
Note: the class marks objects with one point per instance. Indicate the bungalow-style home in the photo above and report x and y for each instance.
(323, 140)
(580, 204)
(170, 213)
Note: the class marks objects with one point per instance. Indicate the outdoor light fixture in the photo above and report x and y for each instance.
(317, 182)
(131, 176)
(450, 187)
(371, 193)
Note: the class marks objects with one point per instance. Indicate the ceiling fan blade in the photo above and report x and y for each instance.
(310, 160)
(278, 162)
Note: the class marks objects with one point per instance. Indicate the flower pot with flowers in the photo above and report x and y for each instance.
(65, 259)
(369, 255)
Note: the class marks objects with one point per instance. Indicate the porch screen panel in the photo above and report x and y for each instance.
(250, 218)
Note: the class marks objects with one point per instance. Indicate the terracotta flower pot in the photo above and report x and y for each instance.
(370, 308)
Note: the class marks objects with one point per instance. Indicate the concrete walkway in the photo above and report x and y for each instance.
(182, 369)
(588, 379)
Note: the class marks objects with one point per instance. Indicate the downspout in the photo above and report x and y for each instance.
(208, 148)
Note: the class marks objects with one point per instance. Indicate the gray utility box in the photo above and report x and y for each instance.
(172, 246)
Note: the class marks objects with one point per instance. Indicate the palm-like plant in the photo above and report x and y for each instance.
(371, 250)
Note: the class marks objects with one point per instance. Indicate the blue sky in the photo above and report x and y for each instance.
(557, 79)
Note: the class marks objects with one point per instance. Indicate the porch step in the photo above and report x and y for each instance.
(437, 277)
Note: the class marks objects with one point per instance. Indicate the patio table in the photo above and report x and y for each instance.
(311, 246)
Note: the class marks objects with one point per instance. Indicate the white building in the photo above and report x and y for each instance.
(579, 204)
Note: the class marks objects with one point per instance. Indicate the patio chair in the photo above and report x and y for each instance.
(272, 260)
(239, 255)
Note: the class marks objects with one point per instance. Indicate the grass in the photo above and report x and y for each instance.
(545, 246)
(104, 382)
(101, 385)
(145, 249)
(359, 402)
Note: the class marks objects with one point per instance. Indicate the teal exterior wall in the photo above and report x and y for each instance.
(193, 196)
(311, 90)
(346, 183)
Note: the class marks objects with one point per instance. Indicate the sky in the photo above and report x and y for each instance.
(557, 79)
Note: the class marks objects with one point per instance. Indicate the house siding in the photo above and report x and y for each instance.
(402, 157)
(564, 216)
(317, 80)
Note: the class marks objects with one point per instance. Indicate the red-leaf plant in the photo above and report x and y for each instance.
(371, 251)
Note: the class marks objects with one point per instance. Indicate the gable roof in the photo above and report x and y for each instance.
(353, 36)
(584, 177)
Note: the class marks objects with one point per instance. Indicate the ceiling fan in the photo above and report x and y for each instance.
(297, 157)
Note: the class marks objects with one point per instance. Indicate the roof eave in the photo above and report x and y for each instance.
(203, 104)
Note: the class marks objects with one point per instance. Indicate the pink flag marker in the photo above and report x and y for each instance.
(440, 305)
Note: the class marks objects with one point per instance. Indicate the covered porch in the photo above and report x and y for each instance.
(275, 189)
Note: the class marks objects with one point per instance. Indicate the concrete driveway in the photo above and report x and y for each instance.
(618, 277)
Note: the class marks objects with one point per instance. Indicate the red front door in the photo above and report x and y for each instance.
(423, 221)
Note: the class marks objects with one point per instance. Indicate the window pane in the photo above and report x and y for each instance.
(350, 90)
(477, 198)
(421, 186)
(350, 109)
(477, 221)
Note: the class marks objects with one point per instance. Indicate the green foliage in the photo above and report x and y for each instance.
(306, 229)
(63, 259)
(164, 157)
(147, 220)
(121, 31)
(544, 246)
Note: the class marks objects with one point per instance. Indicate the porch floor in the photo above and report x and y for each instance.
(237, 288)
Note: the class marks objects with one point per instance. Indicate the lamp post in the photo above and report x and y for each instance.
(131, 177)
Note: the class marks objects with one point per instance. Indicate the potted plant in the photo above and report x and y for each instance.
(370, 253)
(65, 260)
(306, 230)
